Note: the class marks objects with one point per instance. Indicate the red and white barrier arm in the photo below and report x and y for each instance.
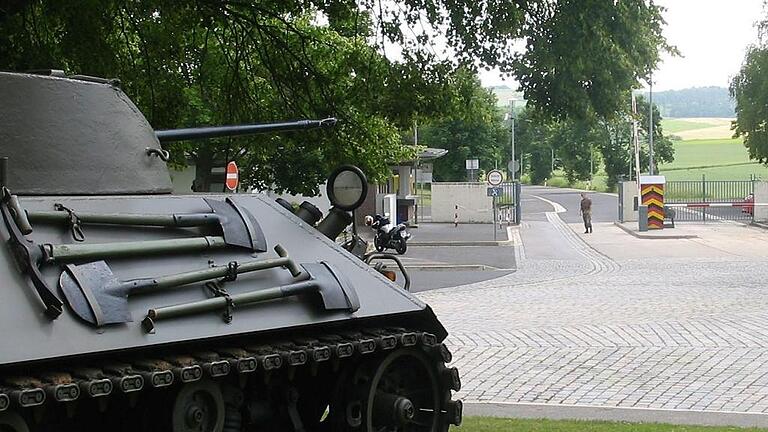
(715, 204)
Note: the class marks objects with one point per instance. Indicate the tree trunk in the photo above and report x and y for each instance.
(203, 166)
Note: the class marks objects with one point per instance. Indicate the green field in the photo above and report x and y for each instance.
(715, 157)
(671, 126)
(706, 149)
(487, 424)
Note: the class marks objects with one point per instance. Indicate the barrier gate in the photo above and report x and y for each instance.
(710, 200)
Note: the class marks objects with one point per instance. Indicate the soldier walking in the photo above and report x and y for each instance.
(586, 213)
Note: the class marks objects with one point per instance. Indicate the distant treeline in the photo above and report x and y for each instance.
(695, 102)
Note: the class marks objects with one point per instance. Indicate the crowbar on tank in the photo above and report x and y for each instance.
(97, 296)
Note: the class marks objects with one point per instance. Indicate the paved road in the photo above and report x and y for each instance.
(608, 320)
(604, 206)
(432, 267)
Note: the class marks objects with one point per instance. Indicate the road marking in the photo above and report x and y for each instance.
(599, 261)
(517, 243)
(558, 208)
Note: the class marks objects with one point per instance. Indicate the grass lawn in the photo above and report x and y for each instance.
(718, 159)
(739, 172)
(488, 424)
(708, 152)
(597, 184)
(711, 153)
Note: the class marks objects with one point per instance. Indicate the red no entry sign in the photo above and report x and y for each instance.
(232, 176)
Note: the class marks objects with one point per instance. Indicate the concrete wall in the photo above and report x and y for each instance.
(474, 204)
(761, 197)
(628, 195)
(182, 180)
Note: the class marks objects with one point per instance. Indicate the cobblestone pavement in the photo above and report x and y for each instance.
(576, 326)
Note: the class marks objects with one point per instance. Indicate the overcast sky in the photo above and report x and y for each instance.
(711, 35)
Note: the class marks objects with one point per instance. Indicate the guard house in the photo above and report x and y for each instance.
(401, 186)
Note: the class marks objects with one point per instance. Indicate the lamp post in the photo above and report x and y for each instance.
(552, 166)
(510, 116)
(651, 167)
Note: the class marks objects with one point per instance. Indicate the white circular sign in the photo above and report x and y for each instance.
(513, 166)
(495, 178)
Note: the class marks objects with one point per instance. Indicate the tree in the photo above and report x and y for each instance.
(194, 62)
(582, 55)
(582, 144)
(534, 137)
(748, 89)
(695, 102)
(617, 148)
(476, 131)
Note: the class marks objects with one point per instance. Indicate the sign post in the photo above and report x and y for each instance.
(494, 179)
(232, 176)
(472, 166)
(513, 167)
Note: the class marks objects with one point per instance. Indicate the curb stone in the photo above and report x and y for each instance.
(462, 243)
(634, 415)
(508, 242)
(655, 237)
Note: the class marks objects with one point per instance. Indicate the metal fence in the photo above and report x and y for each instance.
(709, 200)
(509, 203)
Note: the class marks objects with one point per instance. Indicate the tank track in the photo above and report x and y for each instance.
(48, 394)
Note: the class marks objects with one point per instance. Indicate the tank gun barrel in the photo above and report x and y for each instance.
(222, 131)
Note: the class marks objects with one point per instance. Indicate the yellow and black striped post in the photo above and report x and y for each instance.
(652, 196)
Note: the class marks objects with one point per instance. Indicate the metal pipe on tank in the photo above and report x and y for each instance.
(251, 129)
(333, 224)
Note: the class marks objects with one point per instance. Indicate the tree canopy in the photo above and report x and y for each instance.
(748, 89)
(580, 145)
(199, 62)
(476, 132)
(695, 102)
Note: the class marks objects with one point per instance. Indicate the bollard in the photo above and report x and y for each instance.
(642, 218)
(518, 206)
(456, 216)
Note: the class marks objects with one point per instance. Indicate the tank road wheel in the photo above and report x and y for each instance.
(399, 392)
(12, 422)
(404, 394)
(199, 407)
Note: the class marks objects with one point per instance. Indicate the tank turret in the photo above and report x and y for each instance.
(104, 144)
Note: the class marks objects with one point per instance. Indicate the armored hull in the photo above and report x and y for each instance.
(337, 347)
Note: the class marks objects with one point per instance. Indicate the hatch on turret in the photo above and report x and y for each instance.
(70, 136)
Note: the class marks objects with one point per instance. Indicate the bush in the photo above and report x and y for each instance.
(560, 182)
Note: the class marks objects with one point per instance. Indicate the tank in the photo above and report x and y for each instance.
(125, 307)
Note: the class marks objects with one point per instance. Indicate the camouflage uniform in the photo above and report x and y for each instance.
(586, 213)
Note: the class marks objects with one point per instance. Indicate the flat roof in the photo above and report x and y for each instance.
(427, 154)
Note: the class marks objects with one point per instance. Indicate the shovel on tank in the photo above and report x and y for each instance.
(238, 226)
(335, 291)
(29, 256)
(97, 296)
